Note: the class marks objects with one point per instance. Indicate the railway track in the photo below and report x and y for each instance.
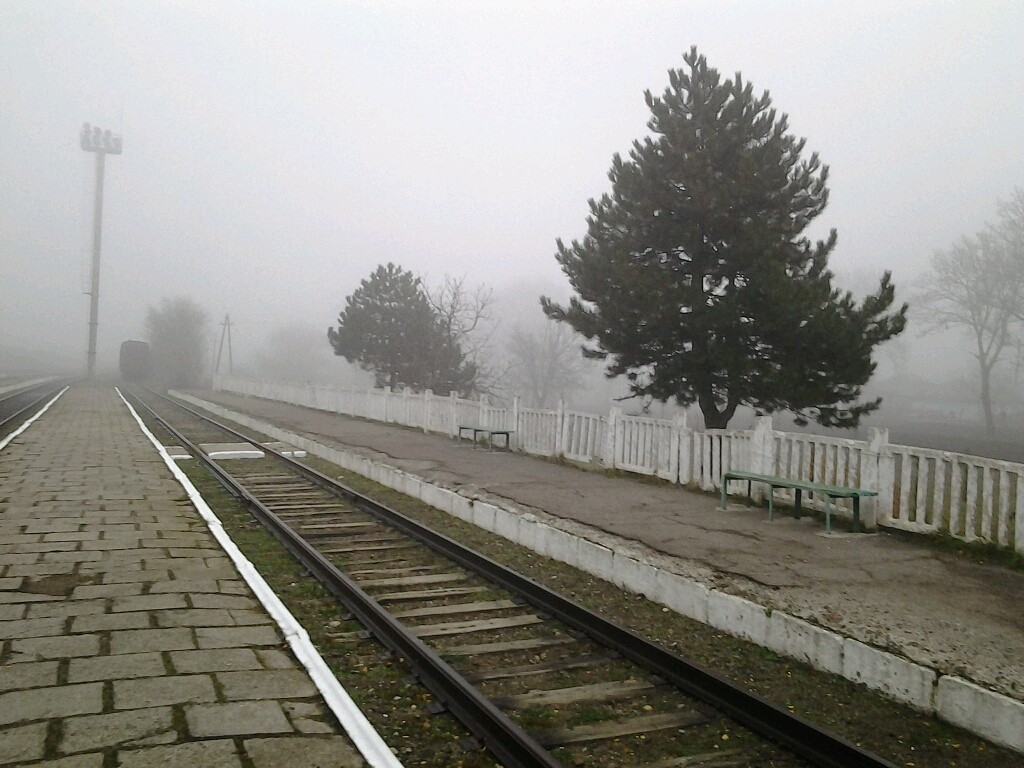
(18, 405)
(537, 678)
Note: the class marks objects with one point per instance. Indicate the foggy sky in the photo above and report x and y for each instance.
(275, 154)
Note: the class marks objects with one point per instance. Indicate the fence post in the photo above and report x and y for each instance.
(453, 413)
(762, 451)
(882, 468)
(676, 441)
(428, 399)
(559, 423)
(610, 437)
(515, 419)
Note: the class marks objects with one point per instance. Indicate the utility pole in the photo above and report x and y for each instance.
(102, 143)
(225, 332)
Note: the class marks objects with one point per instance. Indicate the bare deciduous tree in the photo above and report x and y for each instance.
(546, 365)
(177, 332)
(977, 286)
(464, 314)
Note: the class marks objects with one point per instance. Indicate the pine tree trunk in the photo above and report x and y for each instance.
(714, 418)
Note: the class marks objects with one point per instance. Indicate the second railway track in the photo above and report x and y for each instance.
(539, 679)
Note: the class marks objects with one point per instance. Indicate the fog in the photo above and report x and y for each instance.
(275, 154)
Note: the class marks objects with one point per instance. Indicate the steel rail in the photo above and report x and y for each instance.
(513, 746)
(813, 743)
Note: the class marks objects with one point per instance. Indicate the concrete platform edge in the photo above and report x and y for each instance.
(975, 708)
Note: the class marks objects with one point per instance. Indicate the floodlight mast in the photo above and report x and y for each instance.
(101, 143)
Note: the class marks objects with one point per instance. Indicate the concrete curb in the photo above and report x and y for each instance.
(982, 711)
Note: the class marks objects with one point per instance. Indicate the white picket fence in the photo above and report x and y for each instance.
(920, 490)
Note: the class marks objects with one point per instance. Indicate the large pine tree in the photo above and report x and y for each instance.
(389, 327)
(694, 278)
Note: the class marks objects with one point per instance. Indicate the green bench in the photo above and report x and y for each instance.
(799, 486)
(489, 433)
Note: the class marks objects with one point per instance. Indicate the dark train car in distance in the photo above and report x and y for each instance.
(135, 360)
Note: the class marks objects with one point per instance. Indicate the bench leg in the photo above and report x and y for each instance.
(725, 492)
(828, 514)
(799, 498)
(750, 496)
(856, 514)
(771, 501)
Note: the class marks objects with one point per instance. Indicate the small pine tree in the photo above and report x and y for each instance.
(694, 278)
(389, 328)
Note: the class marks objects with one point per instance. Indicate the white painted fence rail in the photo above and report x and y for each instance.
(920, 490)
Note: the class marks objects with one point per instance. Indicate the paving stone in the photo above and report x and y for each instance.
(59, 647)
(158, 563)
(21, 538)
(220, 753)
(311, 752)
(13, 612)
(148, 603)
(218, 660)
(170, 689)
(98, 731)
(141, 640)
(236, 637)
(110, 621)
(273, 658)
(25, 742)
(124, 546)
(232, 587)
(47, 547)
(31, 628)
(74, 556)
(131, 574)
(194, 552)
(87, 760)
(266, 684)
(70, 536)
(37, 569)
(236, 719)
(195, 617)
(118, 667)
(250, 618)
(188, 588)
(201, 574)
(66, 608)
(34, 674)
(307, 725)
(24, 558)
(223, 601)
(25, 597)
(106, 590)
(308, 717)
(56, 701)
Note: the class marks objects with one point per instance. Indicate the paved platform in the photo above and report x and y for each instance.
(127, 637)
(938, 610)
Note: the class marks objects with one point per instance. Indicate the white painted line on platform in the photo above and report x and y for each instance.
(27, 424)
(369, 743)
